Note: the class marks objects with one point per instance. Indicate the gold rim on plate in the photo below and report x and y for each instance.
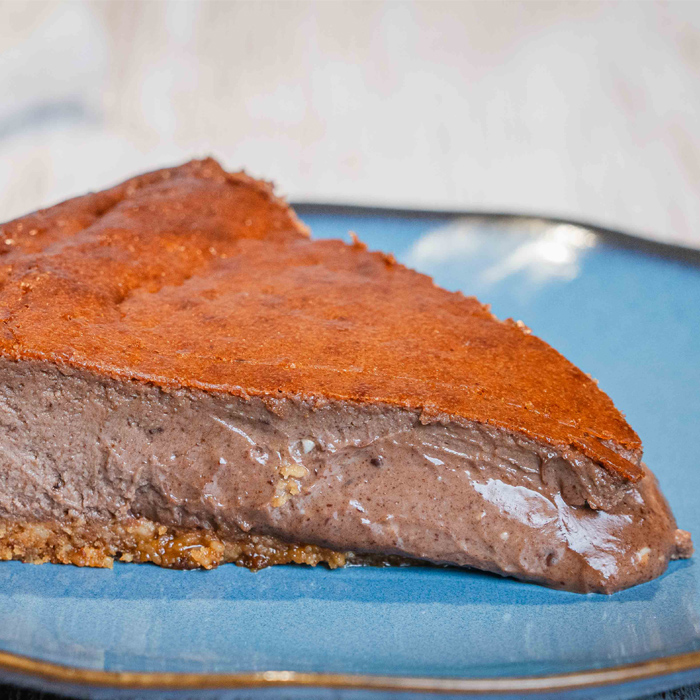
(57, 673)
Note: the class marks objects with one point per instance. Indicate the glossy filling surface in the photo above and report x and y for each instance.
(84, 451)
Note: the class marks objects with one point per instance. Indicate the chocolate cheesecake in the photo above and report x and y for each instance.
(188, 379)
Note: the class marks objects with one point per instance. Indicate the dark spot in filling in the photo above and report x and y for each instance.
(376, 461)
(156, 431)
(552, 558)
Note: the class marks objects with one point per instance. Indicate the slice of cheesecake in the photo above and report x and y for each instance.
(188, 379)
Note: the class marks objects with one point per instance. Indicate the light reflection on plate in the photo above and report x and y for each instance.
(492, 251)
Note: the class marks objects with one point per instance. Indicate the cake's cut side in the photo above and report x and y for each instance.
(179, 358)
(188, 478)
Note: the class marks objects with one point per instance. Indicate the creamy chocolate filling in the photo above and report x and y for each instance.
(345, 476)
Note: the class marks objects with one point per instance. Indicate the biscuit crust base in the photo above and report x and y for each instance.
(140, 540)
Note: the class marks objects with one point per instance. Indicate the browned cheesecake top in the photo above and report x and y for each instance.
(194, 277)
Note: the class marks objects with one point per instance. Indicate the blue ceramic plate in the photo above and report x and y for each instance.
(623, 310)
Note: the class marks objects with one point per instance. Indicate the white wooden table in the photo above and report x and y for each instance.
(588, 110)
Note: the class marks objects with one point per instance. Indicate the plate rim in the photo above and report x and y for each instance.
(613, 236)
(48, 671)
(63, 674)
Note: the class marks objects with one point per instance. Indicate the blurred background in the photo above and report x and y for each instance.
(585, 110)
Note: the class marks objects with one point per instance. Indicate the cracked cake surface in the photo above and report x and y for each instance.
(303, 367)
